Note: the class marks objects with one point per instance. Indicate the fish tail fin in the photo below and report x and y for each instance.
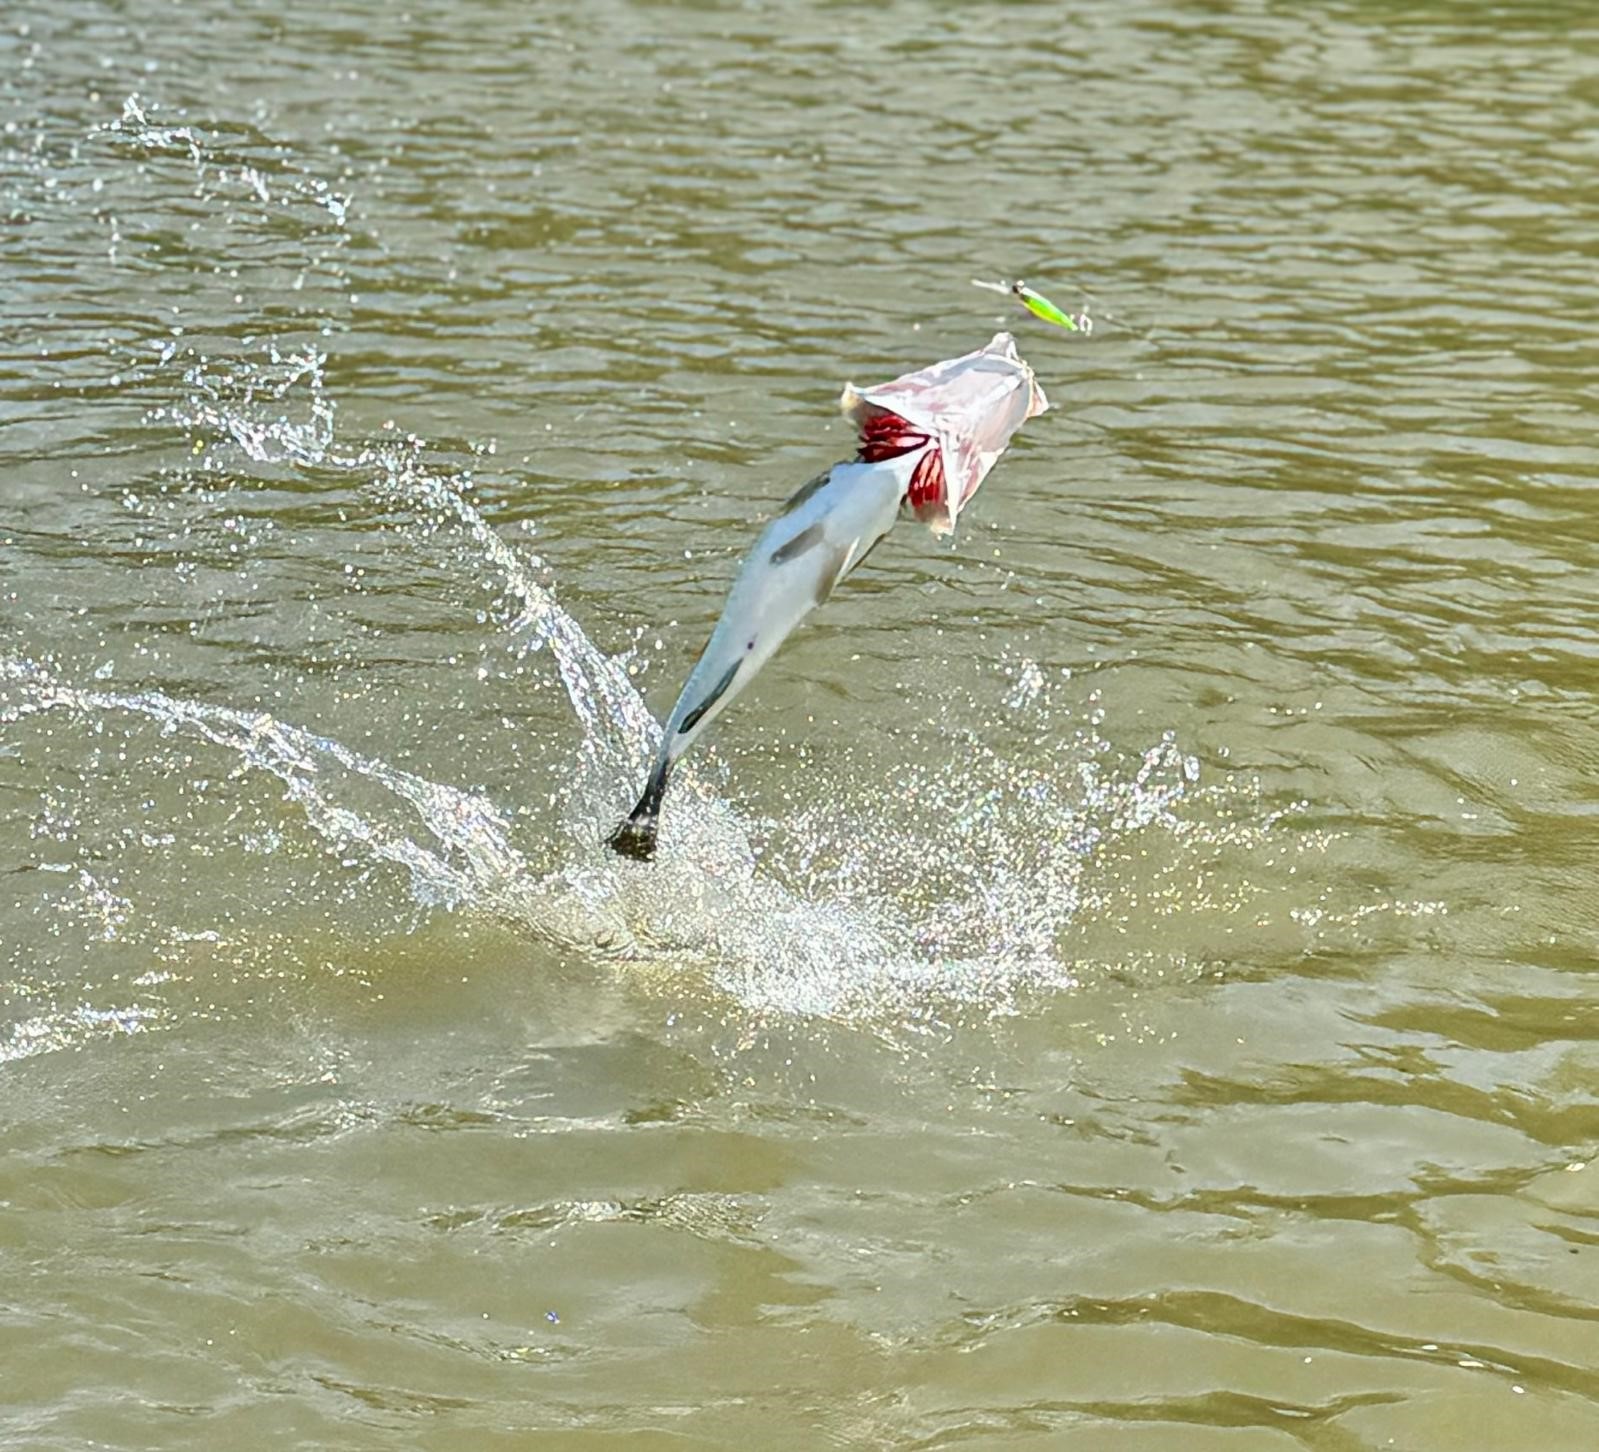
(635, 836)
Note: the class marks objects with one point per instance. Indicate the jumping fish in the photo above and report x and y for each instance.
(927, 441)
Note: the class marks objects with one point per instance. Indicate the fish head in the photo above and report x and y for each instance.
(956, 417)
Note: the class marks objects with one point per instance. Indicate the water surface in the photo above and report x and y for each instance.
(1120, 978)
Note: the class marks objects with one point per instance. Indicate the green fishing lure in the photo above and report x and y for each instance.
(1040, 306)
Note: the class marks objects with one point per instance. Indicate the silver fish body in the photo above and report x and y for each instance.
(820, 535)
(927, 440)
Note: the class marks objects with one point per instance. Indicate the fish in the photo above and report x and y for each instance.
(927, 440)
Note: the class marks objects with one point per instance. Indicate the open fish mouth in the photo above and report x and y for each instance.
(962, 413)
(887, 435)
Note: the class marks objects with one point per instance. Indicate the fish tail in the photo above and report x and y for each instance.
(635, 836)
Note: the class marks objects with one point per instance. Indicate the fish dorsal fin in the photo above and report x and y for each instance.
(804, 492)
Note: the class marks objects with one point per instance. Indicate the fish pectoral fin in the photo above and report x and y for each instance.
(833, 569)
(864, 555)
(791, 549)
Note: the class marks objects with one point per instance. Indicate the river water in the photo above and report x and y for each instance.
(1121, 978)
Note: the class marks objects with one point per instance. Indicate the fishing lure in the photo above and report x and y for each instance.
(1040, 306)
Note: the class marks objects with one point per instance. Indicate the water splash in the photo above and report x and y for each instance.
(237, 400)
(237, 162)
(972, 894)
(73, 1028)
(969, 895)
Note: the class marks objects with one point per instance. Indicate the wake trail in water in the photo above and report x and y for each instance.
(465, 858)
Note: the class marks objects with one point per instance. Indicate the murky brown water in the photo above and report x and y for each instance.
(1124, 979)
